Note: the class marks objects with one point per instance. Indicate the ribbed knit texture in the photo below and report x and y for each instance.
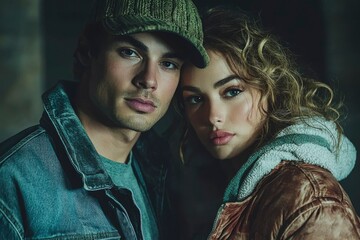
(314, 142)
(180, 17)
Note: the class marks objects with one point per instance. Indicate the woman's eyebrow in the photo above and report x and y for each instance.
(225, 80)
(190, 88)
(218, 84)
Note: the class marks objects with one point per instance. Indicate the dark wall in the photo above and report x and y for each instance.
(62, 22)
(300, 24)
(20, 65)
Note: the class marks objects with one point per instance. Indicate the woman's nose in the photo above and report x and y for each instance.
(216, 113)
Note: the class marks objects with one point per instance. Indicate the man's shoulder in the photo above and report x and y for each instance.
(27, 138)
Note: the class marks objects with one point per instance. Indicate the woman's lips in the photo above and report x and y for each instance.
(141, 105)
(221, 137)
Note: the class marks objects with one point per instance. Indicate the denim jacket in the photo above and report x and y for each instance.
(53, 185)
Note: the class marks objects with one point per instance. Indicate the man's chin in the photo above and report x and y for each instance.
(139, 125)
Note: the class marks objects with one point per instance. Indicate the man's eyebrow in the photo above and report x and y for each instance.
(138, 44)
(131, 40)
(174, 55)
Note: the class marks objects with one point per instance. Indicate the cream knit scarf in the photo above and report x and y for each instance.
(312, 142)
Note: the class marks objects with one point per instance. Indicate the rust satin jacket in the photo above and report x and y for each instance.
(295, 201)
(299, 198)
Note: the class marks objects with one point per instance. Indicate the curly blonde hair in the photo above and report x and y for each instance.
(267, 65)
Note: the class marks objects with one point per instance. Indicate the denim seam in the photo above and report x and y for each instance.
(89, 236)
(20, 144)
(11, 219)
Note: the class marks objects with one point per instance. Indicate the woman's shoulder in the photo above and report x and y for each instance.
(306, 199)
(301, 181)
(295, 200)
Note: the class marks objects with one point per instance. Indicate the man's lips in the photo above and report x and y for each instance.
(221, 137)
(141, 105)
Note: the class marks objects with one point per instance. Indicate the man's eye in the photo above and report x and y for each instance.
(232, 92)
(126, 52)
(169, 65)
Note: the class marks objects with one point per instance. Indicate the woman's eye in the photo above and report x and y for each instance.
(232, 92)
(192, 100)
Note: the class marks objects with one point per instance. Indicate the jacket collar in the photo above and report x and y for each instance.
(313, 141)
(61, 118)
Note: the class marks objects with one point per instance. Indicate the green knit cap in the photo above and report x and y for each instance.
(180, 17)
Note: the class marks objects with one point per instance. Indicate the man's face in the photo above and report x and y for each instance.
(133, 79)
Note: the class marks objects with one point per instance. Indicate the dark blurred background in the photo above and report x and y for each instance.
(37, 39)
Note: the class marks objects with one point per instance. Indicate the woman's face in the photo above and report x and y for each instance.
(224, 111)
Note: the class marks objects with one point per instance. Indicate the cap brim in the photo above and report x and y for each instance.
(125, 25)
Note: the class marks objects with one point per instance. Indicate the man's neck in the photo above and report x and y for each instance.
(112, 143)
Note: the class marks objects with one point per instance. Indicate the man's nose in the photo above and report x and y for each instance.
(147, 76)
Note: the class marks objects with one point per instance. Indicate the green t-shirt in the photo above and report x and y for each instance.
(123, 175)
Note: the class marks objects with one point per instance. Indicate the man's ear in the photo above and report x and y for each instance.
(82, 53)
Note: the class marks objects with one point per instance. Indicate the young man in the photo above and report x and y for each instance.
(85, 172)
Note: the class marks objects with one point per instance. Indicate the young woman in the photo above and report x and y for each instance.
(275, 130)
